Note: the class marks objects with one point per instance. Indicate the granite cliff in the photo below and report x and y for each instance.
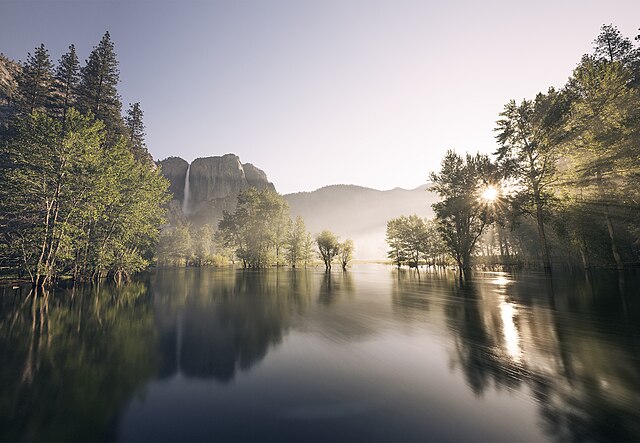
(213, 186)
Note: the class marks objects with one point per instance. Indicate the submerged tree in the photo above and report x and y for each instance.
(603, 139)
(345, 253)
(328, 247)
(409, 240)
(250, 230)
(461, 214)
(71, 206)
(528, 135)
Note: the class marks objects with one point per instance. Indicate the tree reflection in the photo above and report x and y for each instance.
(226, 324)
(563, 339)
(71, 360)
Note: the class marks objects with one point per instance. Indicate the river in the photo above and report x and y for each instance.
(371, 354)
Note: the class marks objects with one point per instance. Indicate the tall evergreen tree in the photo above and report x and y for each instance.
(134, 124)
(98, 91)
(67, 79)
(35, 82)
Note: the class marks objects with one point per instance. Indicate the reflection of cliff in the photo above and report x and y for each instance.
(227, 325)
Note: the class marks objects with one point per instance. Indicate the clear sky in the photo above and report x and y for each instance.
(323, 92)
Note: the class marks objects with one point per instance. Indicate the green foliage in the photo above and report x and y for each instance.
(98, 89)
(409, 240)
(135, 133)
(70, 206)
(328, 247)
(257, 230)
(35, 82)
(345, 253)
(461, 214)
(296, 243)
(67, 79)
(528, 137)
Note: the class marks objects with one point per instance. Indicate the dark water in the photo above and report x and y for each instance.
(369, 355)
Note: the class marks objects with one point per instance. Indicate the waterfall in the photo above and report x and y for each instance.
(185, 200)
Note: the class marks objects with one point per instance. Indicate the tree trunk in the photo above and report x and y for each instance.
(612, 236)
(543, 238)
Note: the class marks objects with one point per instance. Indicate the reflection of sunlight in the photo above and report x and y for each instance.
(511, 335)
(501, 280)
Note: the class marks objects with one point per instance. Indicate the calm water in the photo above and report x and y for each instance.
(369, 355)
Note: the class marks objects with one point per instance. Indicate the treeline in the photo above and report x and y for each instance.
(562, 187)
(81, 196)
(259, 233)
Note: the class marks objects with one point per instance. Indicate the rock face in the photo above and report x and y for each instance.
(214, 185)
(175, 170)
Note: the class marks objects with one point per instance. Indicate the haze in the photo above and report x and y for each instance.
(315, 93)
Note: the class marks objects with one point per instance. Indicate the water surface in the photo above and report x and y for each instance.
(373, 354)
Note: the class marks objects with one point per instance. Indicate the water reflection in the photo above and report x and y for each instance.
(292, 352)
(225, 322)
(71, 361)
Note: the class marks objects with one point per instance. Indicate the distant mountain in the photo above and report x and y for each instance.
(359, 213)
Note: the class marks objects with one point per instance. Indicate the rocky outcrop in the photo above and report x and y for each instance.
(214, 185)
(175, 170)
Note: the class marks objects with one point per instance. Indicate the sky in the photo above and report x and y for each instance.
(363, 92)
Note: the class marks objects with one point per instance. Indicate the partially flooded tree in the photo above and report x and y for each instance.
(328, 247)
(408, 239)
(602, 149)
(461, 214)
(255, 230)
(295, 243)
(528, 135)
(346, 253)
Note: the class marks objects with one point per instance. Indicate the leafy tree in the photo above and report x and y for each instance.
(67, 78)
(35, 82)
(253, 229)
(295, 242)
(603, 137)
(328, 247)
(346, 253)
(461, 215)
(308, 249)
(395, 239)
(50, 181)
(408, 238)
(528, 135)
(203, 244)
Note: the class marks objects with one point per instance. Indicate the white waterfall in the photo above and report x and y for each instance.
(185, 201)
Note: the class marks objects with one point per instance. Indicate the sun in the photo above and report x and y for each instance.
(490, 194)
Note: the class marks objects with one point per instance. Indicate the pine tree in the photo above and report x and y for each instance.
(135, 133)
(67, 79)
(98, 91)
(35, 83)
